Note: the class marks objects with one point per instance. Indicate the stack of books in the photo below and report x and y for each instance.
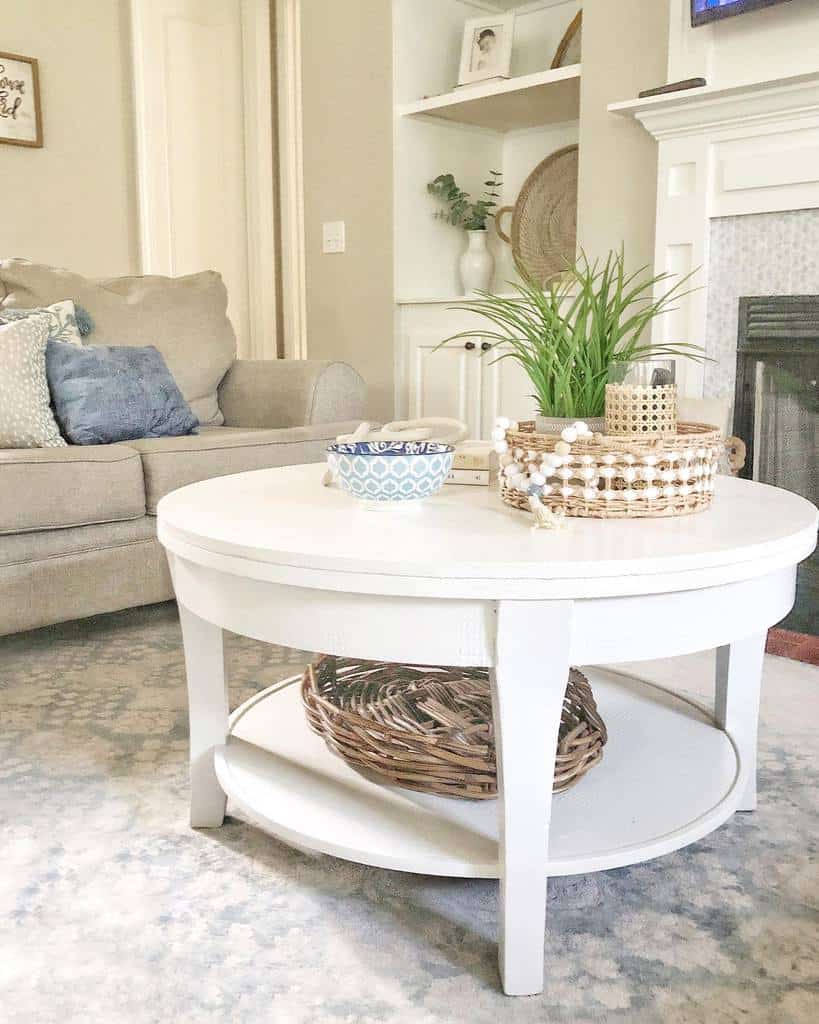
(474, 462)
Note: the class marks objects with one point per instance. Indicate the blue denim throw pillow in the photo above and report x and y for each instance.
(103, 394)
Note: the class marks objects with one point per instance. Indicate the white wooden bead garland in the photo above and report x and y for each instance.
(595, 475)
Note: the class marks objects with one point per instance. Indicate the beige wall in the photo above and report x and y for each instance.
(625, 49)
(73, 203)
(347, 97)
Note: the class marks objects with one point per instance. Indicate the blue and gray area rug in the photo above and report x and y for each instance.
(113, 910)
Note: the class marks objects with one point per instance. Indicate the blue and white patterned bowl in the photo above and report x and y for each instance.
(390, 470)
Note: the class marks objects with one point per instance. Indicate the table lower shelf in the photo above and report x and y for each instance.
(668, 777)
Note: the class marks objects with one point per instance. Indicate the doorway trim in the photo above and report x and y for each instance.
(291, 178)
(152, 172)
(257, 66)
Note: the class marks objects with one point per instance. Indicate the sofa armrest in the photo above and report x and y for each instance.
(290, 393)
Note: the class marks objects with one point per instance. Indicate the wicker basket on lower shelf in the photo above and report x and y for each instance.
(430, 729)
(607, 477)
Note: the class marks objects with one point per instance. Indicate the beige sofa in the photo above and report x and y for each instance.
(77, 526)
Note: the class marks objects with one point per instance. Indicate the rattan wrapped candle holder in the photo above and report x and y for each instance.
(610, 477)
(642, 411)
(430, 729)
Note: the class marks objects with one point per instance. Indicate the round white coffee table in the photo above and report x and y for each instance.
(461, 580)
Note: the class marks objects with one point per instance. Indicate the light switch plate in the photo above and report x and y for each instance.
(333, 236)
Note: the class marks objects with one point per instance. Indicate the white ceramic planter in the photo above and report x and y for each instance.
(477, 263)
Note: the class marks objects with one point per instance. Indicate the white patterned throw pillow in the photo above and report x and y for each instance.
(62, 320)
(26, 419)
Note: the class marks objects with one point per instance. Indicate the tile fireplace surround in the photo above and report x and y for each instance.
(738, 197)
(758, 254)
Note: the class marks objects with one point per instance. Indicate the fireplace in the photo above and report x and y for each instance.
(776, 413)
(738, 205)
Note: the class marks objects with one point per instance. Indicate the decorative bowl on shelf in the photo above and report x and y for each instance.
(390, 470)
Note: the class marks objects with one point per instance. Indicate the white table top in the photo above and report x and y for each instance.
(284, 517)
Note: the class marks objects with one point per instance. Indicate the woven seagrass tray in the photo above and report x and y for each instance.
(430, 729)
(612, 477)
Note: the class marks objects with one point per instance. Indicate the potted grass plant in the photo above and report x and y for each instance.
(570, 335)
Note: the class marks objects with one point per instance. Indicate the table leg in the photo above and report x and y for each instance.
(528, 684)
(208, 714)
(736, 707)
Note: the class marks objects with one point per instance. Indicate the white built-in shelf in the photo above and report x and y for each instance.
(502, 105)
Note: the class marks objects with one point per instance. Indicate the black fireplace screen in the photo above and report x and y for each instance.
(776, 413)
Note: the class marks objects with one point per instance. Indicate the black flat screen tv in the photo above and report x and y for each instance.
(703, 11)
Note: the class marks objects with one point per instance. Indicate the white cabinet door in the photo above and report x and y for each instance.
(446, 382)
(462, 382)
(506, 391)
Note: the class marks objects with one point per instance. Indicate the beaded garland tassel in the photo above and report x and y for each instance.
(604, 477)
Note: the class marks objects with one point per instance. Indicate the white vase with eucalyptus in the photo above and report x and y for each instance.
(477, 264)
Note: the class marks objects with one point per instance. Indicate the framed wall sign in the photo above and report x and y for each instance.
(20, 121)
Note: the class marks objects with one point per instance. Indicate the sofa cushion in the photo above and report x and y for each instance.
(184, 317)
(172, 462)
(48, 488)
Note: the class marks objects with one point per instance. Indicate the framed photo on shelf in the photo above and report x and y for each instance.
(486, 51)
(20, 121)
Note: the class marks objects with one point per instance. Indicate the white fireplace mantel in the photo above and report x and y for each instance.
(724, 152)
(757, 105)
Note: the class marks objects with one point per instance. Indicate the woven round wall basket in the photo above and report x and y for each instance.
(430, 729)
(543, 235)
(606, 477)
